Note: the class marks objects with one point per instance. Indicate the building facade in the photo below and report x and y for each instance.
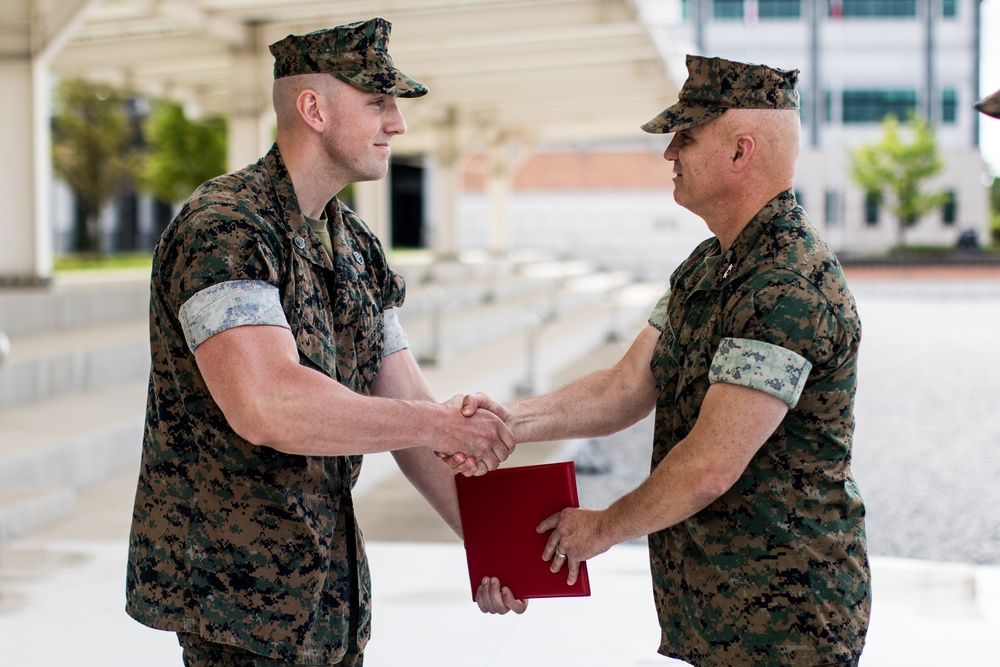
(859, 60)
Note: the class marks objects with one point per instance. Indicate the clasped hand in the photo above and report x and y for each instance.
(479, 441)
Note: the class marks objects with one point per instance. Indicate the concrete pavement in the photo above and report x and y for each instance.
(62, 587)
(63, 604)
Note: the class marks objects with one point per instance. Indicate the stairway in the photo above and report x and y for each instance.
(73, 390)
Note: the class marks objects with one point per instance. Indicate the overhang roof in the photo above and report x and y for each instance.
(539, 70)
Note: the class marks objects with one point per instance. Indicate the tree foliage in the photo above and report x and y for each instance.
(893, 171)
(92, 150)
(182, 153)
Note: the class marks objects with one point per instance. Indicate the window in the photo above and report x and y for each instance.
(828, 106)
(727, 9)
(873, 8)
(949, 106)
(832, 208)
(949, 8)
(871, 106)
(779, 9)
(871, 208)
(949, 210)
(767, 10)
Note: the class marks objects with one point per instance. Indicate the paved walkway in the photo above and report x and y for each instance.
(926, 459)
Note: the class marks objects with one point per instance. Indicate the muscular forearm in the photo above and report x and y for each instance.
(733, 423)
(601, 403)
(305, 413)
(268, 398)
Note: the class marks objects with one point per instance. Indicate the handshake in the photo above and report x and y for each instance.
(480, 440)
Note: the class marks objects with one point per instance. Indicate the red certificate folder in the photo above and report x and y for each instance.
(500, 511)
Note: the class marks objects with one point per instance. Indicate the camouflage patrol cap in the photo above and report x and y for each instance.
(714, 85)
(356, 53)
(989, 105)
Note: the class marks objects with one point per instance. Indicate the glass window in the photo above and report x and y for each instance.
(779, 9)
(727, 9)
(874, 8)
(949, 8)
(871, 209)
(871, 106)
(949, 106)
(949, 210)
(832, 208)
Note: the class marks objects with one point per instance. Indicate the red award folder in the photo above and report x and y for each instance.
(500, 511)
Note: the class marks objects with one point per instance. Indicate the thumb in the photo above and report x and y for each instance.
(470, 405)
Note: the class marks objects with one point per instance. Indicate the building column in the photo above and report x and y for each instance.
(26, 251)
(446, 188)
(372, 203)
(29, 41)
(250, 120)
(498, 189)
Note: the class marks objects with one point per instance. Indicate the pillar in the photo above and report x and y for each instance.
(372, 203)
(29, 40)
(250, 117)
(447, 187)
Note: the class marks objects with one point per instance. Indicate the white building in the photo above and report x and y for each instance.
(858, 61)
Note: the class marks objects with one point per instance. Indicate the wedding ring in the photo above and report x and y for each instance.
(561, 555)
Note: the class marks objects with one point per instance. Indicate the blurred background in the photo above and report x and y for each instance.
(535, 225)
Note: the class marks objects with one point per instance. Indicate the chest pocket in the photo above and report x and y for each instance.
(357, 313)
(336, 316)
(697, 330)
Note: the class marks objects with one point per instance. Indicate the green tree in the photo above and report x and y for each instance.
(892, 170)
(182, 153)
(92, 150)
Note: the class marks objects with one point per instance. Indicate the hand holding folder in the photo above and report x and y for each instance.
(500, 511)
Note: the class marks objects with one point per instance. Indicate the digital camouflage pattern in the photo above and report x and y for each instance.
(775, 571)
(714, 85)
(761, 366)
(990, 105)
(356, 53)
(241, 544)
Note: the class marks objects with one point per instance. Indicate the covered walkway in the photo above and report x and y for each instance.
(504, 75)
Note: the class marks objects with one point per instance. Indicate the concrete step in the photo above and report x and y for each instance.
(444, 333)
(73, 399)
(28, 508)
(76, 301)
(43, 366)
(74, 441)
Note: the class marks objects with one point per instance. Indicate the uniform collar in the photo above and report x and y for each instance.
(299, 234)
(720, 269)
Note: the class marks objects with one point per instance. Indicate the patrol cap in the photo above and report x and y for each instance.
(989, 105)
(714, 85)
(356, 53)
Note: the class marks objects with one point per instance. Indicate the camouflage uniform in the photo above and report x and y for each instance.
(774, 572)
(242, 544)
(238, 544)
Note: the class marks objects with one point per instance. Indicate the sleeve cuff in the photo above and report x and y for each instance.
(227, 305)
(393, 337)
(762, 366)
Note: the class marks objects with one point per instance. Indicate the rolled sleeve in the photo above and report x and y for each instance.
(393, 337)
(230, 304)
(769, 368)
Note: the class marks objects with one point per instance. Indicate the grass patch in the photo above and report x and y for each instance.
(85, 262)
